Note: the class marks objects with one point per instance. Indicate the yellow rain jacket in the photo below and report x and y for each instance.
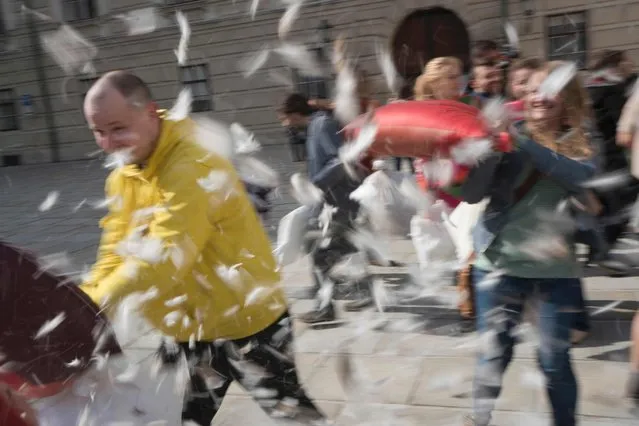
(183, 232)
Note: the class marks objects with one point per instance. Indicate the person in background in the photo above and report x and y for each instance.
(519, 74)
(441, 80)
(327, 173)
(611, 88)
(487, 80)
(213, 276)
(552, 159)
(482, 51)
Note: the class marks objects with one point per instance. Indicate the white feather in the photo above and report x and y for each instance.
(352, 152)
(256, 172)
(491, 279)
(381, 295)
(387, 66)
(217, 181)
(182, 107)
(366, 241)
(176, 301)
(50, 325)
(245, 142)
(140, 21)
(253, 9)
(119, 158)
(300, 58)
(609, 181)
(608, 307)
(325, 293)
(185, 35)
(472, 151)
(288, 18)
(290, 235)
(69, 49)
(256, 295)
(254, 62)
(304, 191)
(557, 80)
(347, 104)
(50, 201)
(214, 137)
(512, 36)
(440, 171)
(495, 114)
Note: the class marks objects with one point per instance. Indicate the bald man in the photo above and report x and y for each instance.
(200, 256)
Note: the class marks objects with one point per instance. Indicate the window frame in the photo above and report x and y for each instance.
(312, 87)
(92, 6)
(13, 102)
(200, 103)
(579, 29)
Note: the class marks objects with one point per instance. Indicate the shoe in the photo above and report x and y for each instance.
(632, 388)
(317, 316)
(578, 336)
(470, 421)
(358, 304)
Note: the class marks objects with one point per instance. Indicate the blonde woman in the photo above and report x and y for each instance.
(441, 79)
(551, 159)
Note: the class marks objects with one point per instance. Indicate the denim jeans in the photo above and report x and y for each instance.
(499, 307)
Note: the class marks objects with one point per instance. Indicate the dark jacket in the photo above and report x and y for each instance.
(608, 98)
(326, 171)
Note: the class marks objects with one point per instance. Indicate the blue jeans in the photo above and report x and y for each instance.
(499, 307)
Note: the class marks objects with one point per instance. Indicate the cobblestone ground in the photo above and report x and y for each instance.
(426, 364)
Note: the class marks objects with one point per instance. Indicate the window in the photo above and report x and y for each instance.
(312, 87)
(567, 38)
(8, 111)
(84, 85)
(78, 10)
(196, 77)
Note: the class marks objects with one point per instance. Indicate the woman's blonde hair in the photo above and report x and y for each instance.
(575, 115)
(435, 69)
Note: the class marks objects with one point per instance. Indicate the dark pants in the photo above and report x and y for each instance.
(499, 309)
(398, 164)
(263, 364)
(327, 251)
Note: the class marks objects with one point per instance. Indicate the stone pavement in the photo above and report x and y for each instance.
(427, 366)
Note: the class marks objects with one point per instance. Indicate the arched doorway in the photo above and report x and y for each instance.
(425, 34)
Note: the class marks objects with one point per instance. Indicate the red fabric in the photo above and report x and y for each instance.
(15, 410)
(451, 201)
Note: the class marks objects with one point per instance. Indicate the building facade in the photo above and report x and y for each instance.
(40, 99)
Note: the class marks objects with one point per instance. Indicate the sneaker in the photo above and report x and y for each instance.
(469, 420)
(317, 316)
(359, 304)
(632, 388)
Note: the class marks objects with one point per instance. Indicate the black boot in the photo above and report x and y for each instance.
(319, 315)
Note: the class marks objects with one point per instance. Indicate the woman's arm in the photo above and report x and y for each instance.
(478, 184)
(567, 172)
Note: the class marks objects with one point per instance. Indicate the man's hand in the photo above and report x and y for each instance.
(624, 139)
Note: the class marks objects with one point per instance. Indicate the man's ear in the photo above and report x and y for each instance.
(152, 109)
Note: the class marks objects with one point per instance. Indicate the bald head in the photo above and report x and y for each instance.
(122, 115)
(126, 84)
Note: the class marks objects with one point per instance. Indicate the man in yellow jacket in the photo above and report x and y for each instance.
(182, 231)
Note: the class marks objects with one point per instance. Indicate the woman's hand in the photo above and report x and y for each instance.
(624, 139)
